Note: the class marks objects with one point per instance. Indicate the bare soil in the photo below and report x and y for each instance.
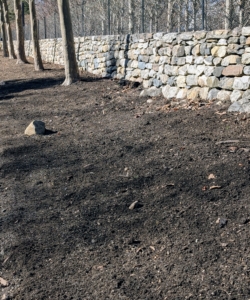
(67, 230)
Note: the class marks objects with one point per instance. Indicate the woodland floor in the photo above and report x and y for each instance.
(66, 230)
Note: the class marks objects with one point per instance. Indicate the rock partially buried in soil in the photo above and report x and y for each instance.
(35, 127)
(134, 205)
(3, 282)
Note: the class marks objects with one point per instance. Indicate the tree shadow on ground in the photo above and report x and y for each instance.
(16, 86)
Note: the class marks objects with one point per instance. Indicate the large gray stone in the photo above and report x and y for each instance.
(198, 35)
(246, 58)
(151, 92)
(217, 61)
(185, 36)
(230, 60)
(203, 47)
(157, 83)
(241, 83)
(204, 93)
(183, 70)
(223, 95)
(222, 42)
(182, 94)
(181, 61)
(199, 60)
(35, 127)
(218, 71)
(202, 81)
(236, 95)
(212, 82)
(226, 83)
(193, 93)
(246, 94)
(171, 81)
(200, 70)
(192, 80)
(181, 81)
(164, 78)
(245, 31)
(141, 65)
(178, 50)
(169, 91)
(213, 94)
(209, 70)
(188, 50)
(171, 70)
(169, 37)
(235, 107)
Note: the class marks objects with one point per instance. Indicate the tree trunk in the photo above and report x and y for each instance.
(83, 20)
(3, 30)
(8, 30)
(45, 27)
(55, 31)
(228, 16)
(21, 58)
(241, 4)
(131, 25)
(186, 16)
(142, 16)
(169, 16)
(71, 68)
(109, 20)
(36, 49)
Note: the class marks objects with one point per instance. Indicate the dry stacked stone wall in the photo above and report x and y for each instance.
(190, 65)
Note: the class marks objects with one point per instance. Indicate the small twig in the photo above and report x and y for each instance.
(227, 142)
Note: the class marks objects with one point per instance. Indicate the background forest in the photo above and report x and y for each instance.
(101, 17)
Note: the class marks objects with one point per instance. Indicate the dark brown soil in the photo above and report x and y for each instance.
(66, 230)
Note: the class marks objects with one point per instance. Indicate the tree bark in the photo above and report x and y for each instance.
(228, 16)
(21, 57)
(3, 30)
(131, 24)
(142, 16)
(36, 48)
(169, 16)
(83, 20)
(71, 68)
(8, 31)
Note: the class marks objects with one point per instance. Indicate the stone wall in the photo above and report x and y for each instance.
(191, 65)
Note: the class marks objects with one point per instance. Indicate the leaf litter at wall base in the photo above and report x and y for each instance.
(66, 228)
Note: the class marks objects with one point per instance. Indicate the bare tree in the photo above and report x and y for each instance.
(131, 7)
(228, 16)
(3, 30)
(21, 57)
(8, 31)
(71, 68)
(36, 49)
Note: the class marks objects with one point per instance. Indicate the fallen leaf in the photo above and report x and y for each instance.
(211, 176)
(152, 248)
(233, 149)
(221, 113)
(213, 187)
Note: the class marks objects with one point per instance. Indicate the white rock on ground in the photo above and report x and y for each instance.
(35, 127)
